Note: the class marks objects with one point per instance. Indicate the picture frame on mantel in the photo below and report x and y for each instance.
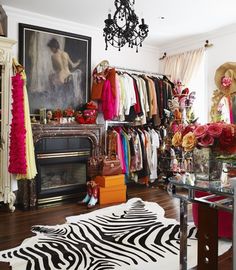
(57, 66)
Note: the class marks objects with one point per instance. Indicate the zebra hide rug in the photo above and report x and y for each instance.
(130, 236)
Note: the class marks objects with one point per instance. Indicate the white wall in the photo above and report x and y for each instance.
(223, 50)
(145, 59)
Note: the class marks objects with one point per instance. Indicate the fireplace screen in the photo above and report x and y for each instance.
(62, 170)
(67, 174)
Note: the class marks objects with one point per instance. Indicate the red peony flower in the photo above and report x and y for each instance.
(200, 131)
(189, 128)
(206, 140)
(227, 136)
(215, 130)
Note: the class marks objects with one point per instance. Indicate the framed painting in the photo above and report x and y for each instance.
(57, 65)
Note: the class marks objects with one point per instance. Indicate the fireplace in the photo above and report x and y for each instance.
(61, 164)
(61, 153)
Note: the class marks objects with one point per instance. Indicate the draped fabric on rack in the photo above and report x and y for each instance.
(134, 97)
(25, 133)
(137, 148)
(184, 66)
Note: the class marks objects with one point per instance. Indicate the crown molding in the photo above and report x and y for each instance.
(150, 48)
(197, 41)
(25, 15)
(44, 20)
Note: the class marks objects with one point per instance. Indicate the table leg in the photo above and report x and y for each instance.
(207, 237)
(183, 233)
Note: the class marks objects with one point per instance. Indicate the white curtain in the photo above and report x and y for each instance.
(184, 66)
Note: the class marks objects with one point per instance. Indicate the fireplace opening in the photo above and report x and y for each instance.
(62, 170)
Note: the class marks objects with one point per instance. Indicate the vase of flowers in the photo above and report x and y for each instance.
(206, 166)
(69, 114)
(212, 145)
(57, 115)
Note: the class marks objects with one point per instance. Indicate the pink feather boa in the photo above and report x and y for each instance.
(17, 160)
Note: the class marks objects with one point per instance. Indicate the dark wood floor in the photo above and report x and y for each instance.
(15, 227)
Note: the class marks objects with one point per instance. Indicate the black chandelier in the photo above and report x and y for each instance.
(124, 27)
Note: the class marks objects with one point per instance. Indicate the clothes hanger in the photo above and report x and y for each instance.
(17, 67)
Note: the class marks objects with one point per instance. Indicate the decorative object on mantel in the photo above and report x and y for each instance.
(49, 116)
(57, 114)
(124, 27)
(88, 114)
(43, 115)
(63, 116)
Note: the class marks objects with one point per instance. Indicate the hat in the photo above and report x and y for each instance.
(227, 70)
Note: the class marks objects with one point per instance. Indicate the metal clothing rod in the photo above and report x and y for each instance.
(116, 123)
(139, 71)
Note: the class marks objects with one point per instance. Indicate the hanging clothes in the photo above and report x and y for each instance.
(138, 98)
(136, 163)
(125, 145)
(17, 153)
(108, 101)
(137, 149)
(31, 170)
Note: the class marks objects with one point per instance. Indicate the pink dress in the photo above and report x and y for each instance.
(108, 101)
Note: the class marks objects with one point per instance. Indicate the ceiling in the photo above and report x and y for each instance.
(183, 18)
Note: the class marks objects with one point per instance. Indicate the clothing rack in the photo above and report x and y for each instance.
(115, 123)
(140, 71)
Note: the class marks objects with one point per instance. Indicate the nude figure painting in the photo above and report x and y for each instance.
(57, 65)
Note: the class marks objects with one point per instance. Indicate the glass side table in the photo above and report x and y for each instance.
(207, 219)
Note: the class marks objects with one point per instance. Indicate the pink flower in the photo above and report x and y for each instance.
(176, 127)
(226, 81)
(206, 141)
(200, 131)
(215, 130)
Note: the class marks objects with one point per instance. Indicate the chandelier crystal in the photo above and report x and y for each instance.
(124, 27)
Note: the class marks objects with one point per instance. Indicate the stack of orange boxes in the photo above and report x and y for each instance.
(112, 189)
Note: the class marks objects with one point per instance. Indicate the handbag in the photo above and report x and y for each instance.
(110, 166)
(94, 164)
